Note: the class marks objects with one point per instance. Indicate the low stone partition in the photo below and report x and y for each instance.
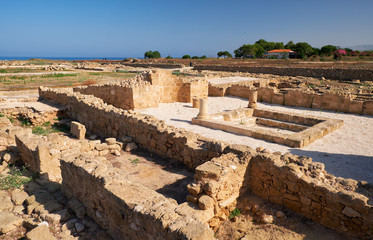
(303, 186)
(329, 73)
(41, 155)
(302, 130)
(124, 209)
(297, 98)
(219, 183)
(148, 90)
(147, 131)
(33, 115)
(154, 65)
(297, 183)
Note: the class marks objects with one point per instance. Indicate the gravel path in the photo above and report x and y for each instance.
(346, 152)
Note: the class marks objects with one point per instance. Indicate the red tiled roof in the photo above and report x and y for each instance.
(279, 50)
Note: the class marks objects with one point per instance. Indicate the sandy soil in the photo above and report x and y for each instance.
(165, 176)
(247, 226)
(346, 152)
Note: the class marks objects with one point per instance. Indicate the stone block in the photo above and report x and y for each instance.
(78, 130)
(205, 202)
(40, 233)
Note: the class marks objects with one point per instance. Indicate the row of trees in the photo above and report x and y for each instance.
(302, 49)
(194, 57)
(260, 47)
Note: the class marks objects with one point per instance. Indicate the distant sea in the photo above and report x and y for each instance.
(62, 58)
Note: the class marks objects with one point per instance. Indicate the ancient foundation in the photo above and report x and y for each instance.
(225, 174)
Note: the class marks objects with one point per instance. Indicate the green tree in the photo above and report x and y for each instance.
(245, 51)
(303, 49)
(151, 54)
(328, 50)
(186, 57)
(203, 57)
(316, 51)
(268, 46)
(249, 51)
(195, 57)
(290, 45)
(224, 54)
(279, 45)
(169, 57)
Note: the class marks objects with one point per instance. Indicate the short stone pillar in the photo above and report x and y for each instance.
(195, 103)
(203, 109)
(77, 130)
(253, 98)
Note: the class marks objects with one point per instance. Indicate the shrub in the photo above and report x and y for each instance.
(15, 178)
(186, 57)
(234, 213)
(151, 54)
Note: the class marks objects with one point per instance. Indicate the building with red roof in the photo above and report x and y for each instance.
(280, 53)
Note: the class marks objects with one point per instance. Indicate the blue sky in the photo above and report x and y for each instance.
(114, 28)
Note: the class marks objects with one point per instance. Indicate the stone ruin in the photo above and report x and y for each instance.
(300, 130)
(224, 174)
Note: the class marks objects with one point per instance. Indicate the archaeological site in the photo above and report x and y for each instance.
(176, 152)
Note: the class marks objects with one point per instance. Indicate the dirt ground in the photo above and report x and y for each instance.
(248, 226)
(165, 176)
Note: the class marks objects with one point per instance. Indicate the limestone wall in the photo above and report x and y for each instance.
(155, 65)
(303, 186)
(150, 133)
(148, 90)
(124, 209)
(329, 73)
(297, 98)
(295, 182)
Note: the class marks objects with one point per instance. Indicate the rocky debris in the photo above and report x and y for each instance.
(40, 233)
(280, 214)
(77, 130)
(54, 68)
(205, 202)
(131, 147)
(9, 222)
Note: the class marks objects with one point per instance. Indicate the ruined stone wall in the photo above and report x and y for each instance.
(150, 133)
(154, 65)
(294, 182)
(297, 98)
(124, 209)
(303, 186)
(118, 96)
(148, 90)
(329, 73)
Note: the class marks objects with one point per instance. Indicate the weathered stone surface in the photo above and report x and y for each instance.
(110, 141)
(78, 130)
(349, 212)
(5, 202)
(131, 146)
(8, 222)
(77, 207)
(19, 196)
(205, 202)
(40, 233)
(52, 206)
(102, 147)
